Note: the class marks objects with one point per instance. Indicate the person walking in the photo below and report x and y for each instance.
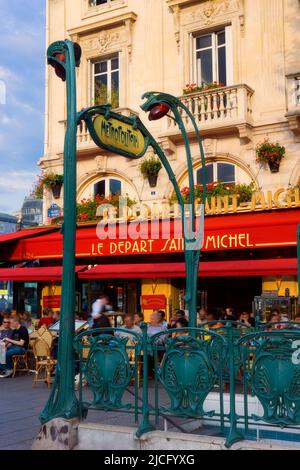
(99, 307)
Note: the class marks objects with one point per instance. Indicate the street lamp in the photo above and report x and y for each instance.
(64, 57)
(158, 105)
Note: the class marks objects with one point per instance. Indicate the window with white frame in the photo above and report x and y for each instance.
(212, 57)
(106, 81)
(217, 171)
(108, 187)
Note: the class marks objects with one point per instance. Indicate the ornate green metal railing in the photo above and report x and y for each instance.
(208, 374)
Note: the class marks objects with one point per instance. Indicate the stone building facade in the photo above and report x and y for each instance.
(249, 47)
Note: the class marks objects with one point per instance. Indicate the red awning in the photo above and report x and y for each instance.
(15, 236)
(53, 273)
(262, 230)
(249, 268)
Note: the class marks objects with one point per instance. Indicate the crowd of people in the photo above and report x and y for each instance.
(15, 328)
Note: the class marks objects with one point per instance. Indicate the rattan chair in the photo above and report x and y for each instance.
(20, 363)
(44, 363)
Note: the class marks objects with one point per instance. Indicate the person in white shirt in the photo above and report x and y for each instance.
(99, 307)
(156, 324)
(130, 326)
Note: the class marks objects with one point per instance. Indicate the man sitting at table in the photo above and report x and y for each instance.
(5, 330)
(15, 346)
(130, 326)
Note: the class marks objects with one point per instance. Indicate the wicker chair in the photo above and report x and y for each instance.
(20, 363)
(44, 363)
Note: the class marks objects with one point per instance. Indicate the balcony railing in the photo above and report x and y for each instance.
(217, 108)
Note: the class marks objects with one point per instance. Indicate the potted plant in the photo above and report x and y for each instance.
(54, 182)
(193, 87)
(150, 169)
(38, 189)
(271, 153)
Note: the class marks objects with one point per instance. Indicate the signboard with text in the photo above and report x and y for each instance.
(239, 232)
(116, 133)
(54, 211)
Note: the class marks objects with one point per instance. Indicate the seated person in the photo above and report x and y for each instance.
(129, 325)
(213, 317)
(47, 318)
(26, 320)
(201, 317)
(276, 320)
(5, 331)
(297, 320)
(138, 318)
(156, 325)
(246, 318)
(163, 318)
(181, 323)
(15, 346)
(177, 316)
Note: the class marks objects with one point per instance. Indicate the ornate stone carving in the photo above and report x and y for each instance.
(101, 163)
(102, 42)
(212, 9)
(210, 147)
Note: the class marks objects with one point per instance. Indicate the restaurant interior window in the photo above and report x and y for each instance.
(106, 81)
(108, 187)
(217, 171)
(212, 57)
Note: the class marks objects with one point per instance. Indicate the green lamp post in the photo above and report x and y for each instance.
(65, 56)
(160, 105)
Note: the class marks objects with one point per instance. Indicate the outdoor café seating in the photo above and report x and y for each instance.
(20, 363)
(44, 363)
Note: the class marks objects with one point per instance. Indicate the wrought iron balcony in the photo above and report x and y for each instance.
(224, 109)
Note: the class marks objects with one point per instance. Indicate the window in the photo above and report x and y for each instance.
(219, 171)
(106, 86)
(108, 187)
(212, 57)
(94, 3)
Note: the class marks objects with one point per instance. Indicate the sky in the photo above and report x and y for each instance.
(22, 76)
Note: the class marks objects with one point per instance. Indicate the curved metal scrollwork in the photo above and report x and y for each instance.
(275, 379)
(187, 373)
(108, 370)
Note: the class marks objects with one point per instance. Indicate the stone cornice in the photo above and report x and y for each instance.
(180, 3)
(107, 23)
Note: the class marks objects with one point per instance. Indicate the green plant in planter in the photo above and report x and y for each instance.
(52, 179)
(87, 208)
(38, 189)
(243, 191)
(270, 153)
(150, 169)
(193, 87)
